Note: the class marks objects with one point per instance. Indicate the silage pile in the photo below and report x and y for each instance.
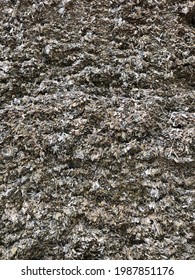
(97, 130)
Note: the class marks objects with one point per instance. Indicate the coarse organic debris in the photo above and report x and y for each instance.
(97, 129)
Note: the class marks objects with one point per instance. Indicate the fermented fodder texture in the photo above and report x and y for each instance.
(96, 130)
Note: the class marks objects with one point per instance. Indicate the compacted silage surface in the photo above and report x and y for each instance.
(97, 129)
